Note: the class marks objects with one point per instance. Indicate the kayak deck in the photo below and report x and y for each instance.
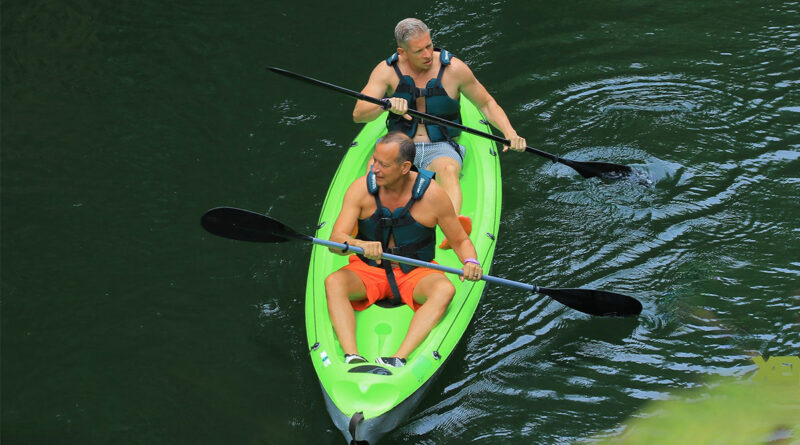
(374, 390)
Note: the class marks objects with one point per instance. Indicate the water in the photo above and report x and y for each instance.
(123, 322)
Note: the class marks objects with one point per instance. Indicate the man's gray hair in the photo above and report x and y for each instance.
(407, 150)
(407, 29)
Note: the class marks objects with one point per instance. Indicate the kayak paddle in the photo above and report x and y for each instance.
(586, 169)
(244, 225)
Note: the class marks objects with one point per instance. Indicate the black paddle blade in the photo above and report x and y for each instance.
(244, 225)
(595, 302)
(599, 169)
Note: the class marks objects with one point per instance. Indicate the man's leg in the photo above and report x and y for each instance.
(448, 171)
(341, 287)
(434, 291)
(447, 174)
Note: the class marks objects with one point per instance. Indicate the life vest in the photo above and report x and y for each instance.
(437, 102)
(411, 238)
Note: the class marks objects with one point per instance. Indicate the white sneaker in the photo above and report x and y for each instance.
(391, 361)
(352, 359)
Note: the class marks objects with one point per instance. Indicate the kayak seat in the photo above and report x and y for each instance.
(371, 369)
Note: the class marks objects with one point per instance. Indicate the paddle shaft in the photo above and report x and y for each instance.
(244, 225)
(428, 117)
(420, 263)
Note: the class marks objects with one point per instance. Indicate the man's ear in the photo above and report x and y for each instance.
(406, 167)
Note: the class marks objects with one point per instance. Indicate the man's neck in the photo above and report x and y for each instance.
(402, 185)
(417, 72)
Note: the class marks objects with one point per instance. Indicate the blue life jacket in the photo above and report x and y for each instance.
(411, 238)
(437, 103)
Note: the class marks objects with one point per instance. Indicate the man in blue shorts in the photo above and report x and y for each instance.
(431, 80)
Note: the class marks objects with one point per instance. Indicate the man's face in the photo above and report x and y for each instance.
(419, 52)
(385, 166)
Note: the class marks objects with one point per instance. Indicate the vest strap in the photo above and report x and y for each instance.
(397, 69)
(441, 71)
(396, 297)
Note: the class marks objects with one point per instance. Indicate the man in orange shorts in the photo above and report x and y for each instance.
(397, 210)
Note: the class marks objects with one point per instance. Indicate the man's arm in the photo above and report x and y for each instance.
(480, 97)
(347, 220)
(377, 86)
(455, 234)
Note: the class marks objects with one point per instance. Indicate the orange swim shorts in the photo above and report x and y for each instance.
(374, 279)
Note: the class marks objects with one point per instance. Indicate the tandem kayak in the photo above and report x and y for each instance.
(368, 400)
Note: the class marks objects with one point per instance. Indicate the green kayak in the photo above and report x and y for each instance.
(366, 401)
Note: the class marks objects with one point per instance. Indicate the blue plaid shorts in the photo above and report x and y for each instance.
(428, 151)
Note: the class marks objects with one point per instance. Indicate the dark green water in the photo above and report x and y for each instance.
(122, 122)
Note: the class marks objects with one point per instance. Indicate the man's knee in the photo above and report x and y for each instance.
(449, 170)
(344, 285)
(336, 284)
(441, 293)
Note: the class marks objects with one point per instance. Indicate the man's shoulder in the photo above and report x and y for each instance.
(358, 188)
(459, 67)
(460, 73)
(361, 180)
(382, 71)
